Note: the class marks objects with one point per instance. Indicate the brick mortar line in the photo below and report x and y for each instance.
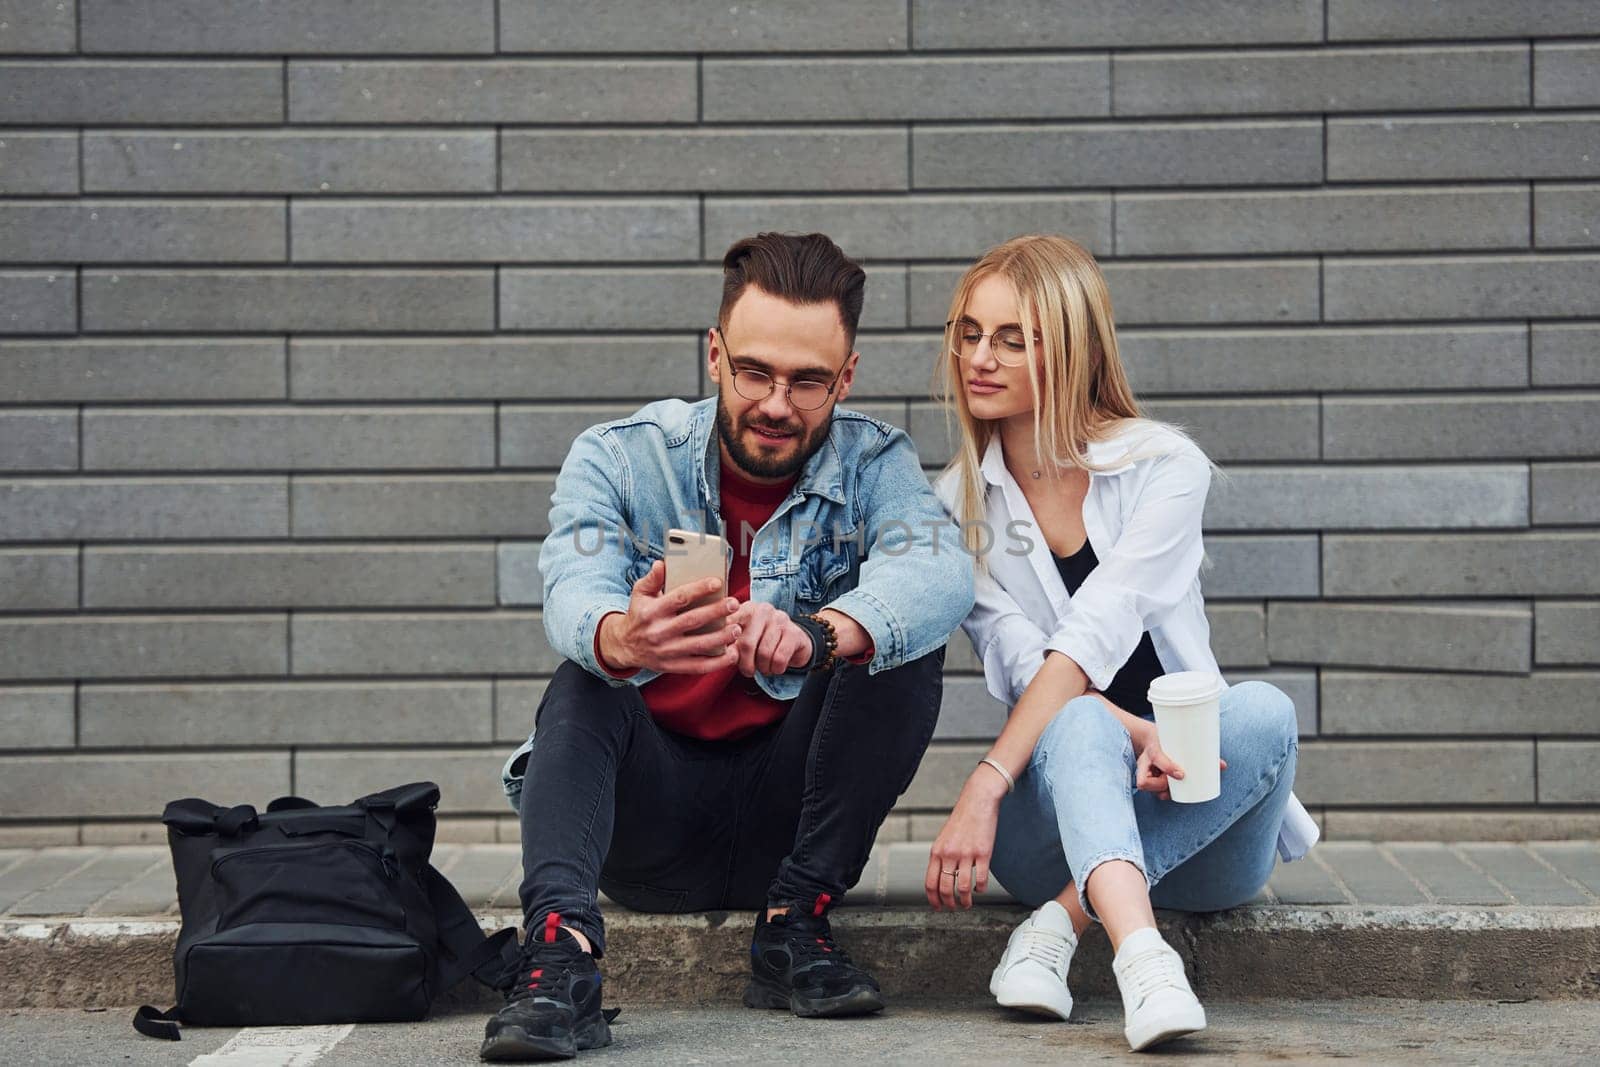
(1399, 46)
(1454, 849)
(94, 855)
(1139, 330)
(981, 195)
(1594, 898)
(1382, 850)
(1492, 464)
(1180, 121)
(24, 854)
(1533, 75)
(509, 883)
(159, 862)
(1533, 217)
(1536, 762)
(357, 270)
(494, 704)
(1338, 882)
(1420, 186)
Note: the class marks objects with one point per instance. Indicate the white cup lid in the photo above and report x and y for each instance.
(1185, 687)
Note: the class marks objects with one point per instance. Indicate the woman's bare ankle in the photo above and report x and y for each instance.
(1069, 900)
(1121, 898)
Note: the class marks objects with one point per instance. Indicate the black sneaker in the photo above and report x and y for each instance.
(552, 1002)
(796, 967)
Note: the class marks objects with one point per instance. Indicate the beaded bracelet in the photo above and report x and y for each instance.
(831, 636)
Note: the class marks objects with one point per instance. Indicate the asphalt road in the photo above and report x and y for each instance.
(1350, 1031)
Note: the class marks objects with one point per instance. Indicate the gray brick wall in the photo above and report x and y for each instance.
(302, 303)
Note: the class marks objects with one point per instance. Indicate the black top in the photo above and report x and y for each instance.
(1130, 689)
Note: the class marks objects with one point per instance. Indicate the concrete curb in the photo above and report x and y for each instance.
(1263, 951)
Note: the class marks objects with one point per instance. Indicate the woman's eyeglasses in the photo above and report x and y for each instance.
(1008, 343)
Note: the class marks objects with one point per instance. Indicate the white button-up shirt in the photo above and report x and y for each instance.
(1142, 516)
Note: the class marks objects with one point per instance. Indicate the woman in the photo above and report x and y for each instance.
(1085, 519)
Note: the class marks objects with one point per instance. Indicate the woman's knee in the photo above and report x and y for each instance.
(1261, 711)
(1083, 725)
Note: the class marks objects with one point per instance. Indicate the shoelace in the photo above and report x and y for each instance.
(1152, 970)
(540, 980)
(814, 940)
(1045, 946)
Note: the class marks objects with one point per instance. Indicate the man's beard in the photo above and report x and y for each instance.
(757, 463)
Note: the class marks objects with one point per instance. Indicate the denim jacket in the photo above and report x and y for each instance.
(861, 532)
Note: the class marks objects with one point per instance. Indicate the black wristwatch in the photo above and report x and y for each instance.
(824, 640)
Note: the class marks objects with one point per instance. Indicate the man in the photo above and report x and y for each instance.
(749, 766)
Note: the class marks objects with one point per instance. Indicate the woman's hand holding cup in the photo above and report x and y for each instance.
(1155, 766)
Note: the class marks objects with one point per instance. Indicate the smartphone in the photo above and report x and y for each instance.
(692, 556)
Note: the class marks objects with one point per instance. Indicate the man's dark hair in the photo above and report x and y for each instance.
(803, 268)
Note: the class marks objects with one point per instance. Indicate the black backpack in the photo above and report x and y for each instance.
(304, 914)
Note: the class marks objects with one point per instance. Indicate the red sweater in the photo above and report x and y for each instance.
(724, 704)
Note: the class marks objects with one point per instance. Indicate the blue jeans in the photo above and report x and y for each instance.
(1075, 807)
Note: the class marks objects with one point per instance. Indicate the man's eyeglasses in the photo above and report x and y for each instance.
(807, 394)
(1008, 344)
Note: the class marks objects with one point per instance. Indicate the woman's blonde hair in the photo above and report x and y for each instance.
(1081, 389)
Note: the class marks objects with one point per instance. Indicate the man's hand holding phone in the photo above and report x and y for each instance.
(657, 630)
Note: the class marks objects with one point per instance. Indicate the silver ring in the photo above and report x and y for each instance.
(954, 873)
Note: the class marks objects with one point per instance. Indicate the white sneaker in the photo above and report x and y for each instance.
(1032, 974)
(1157, 1003)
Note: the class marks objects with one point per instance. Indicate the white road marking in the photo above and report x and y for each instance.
(275, 1046)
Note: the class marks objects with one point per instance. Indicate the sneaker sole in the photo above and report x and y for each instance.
(862, 1002)
(1023, 996)
(1164, 1030)
(515, 1045)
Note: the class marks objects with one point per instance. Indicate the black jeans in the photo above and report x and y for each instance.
(665, 823)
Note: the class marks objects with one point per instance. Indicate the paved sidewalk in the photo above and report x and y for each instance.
(89, 926)
(136, 880)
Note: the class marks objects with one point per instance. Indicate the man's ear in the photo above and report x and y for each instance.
(713, 358)
(847, 377)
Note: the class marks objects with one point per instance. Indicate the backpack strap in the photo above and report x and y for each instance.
(161, 1024)
(195, 817)
(488, 961)
(403, 799)
(353, 824)
(237, 820)
(463, 940)
(191, 816)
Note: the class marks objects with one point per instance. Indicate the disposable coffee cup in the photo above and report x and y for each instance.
(1188, 707)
